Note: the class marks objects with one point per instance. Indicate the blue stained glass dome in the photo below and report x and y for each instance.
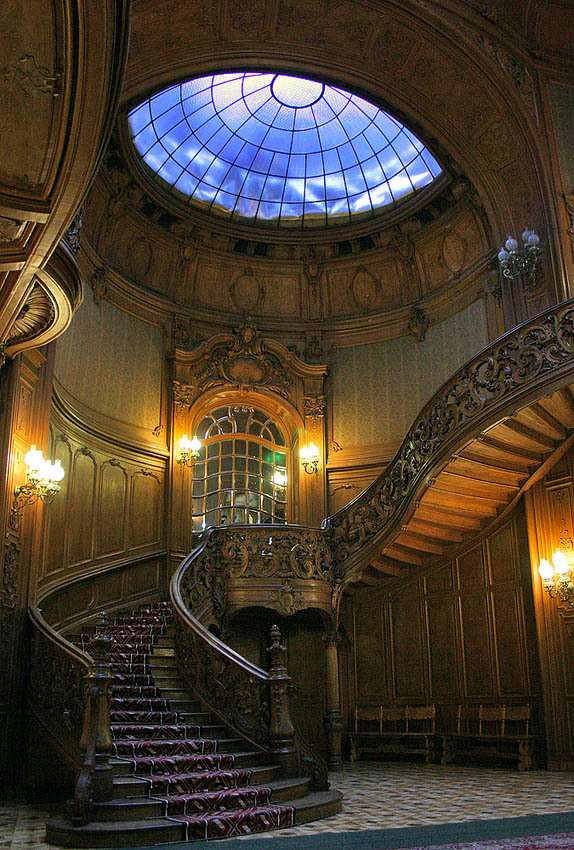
(278, 150)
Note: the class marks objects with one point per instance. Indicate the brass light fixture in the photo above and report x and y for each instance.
(515, 261)
(557, 578)
(42, 481)
(189, 451)
(309, 458)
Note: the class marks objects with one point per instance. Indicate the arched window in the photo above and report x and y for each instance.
(240, 475)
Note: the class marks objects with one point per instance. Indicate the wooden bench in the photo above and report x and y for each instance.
(493, 731)
(402, 730)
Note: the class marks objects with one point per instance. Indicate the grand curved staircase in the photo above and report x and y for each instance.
(177, 772)
(484, 438)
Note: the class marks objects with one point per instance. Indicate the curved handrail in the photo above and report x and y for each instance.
(57, 673)
(232, 687)
(537, 354)
(235, 689)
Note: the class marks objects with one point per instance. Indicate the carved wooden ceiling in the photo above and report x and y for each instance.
(58, 93)
(466, 75)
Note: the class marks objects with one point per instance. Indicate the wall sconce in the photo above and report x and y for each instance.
(309, 458)
(42, 481)
(189, 451)
(515, 261)
(556, 578)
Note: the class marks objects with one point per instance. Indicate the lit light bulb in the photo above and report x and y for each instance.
(560, 562)
(195, 444)
(58, 470)
(185, 443)
(546, 570)
(33, 459)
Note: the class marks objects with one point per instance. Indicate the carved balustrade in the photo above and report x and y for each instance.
(247, 699)
(69, 698)
(533, 358)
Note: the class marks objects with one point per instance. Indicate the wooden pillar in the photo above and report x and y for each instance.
(315, 483)
(25, 396)
(333, 722)
(550, 516)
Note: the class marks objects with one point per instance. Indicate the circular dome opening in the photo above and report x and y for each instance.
(279, 151)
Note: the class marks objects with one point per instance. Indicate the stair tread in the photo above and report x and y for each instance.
(135, 808)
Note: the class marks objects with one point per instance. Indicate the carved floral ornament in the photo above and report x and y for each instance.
(524, 358)
(314, 406)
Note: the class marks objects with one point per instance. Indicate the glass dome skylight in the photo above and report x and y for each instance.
(278, 150)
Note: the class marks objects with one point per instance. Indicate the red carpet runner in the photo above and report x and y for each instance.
(198, 786)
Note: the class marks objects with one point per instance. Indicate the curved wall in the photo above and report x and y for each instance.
(378, 389)
(112, 362)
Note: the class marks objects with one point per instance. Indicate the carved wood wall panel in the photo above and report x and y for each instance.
(111, 504)
(551, 526)
(453, 627)
(134, 582)
(24, 399)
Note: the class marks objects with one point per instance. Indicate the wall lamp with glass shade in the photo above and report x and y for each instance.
(42, 481)
(515, 260)
(188, 451)
(309, 458)
(557, 578)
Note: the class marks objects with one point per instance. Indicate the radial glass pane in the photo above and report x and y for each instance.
(214, 142)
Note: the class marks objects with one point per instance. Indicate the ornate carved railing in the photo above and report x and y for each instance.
(246, 698)
(534, 357)
(76, 715)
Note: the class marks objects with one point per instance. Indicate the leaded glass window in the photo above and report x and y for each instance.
(240, 475)
(278, 150)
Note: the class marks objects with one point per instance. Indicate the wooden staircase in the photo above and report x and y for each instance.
(479, 485)
(136, 816)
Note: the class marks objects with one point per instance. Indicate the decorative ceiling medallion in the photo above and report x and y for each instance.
(279, 151)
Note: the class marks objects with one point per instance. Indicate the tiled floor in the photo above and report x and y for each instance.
(381, 795)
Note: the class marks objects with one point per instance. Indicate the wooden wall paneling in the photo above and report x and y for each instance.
(407, 643)
(369, 649)
(474, 625)
(56, 525)
(25, 397)
(443, 657)
(112, 525)
(458, 631)
(306, 663)
(113, 587)
(81, 519)
(146, 510)
(146, 579)
(510, 645)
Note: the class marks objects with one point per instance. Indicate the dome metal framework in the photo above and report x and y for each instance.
(279, 151)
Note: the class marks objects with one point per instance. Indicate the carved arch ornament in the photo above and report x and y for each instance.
(245, 362)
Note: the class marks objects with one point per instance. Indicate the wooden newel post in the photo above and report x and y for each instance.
(95, 780)
(281, 730)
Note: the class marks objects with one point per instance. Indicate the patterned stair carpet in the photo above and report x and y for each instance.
(199, 787)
